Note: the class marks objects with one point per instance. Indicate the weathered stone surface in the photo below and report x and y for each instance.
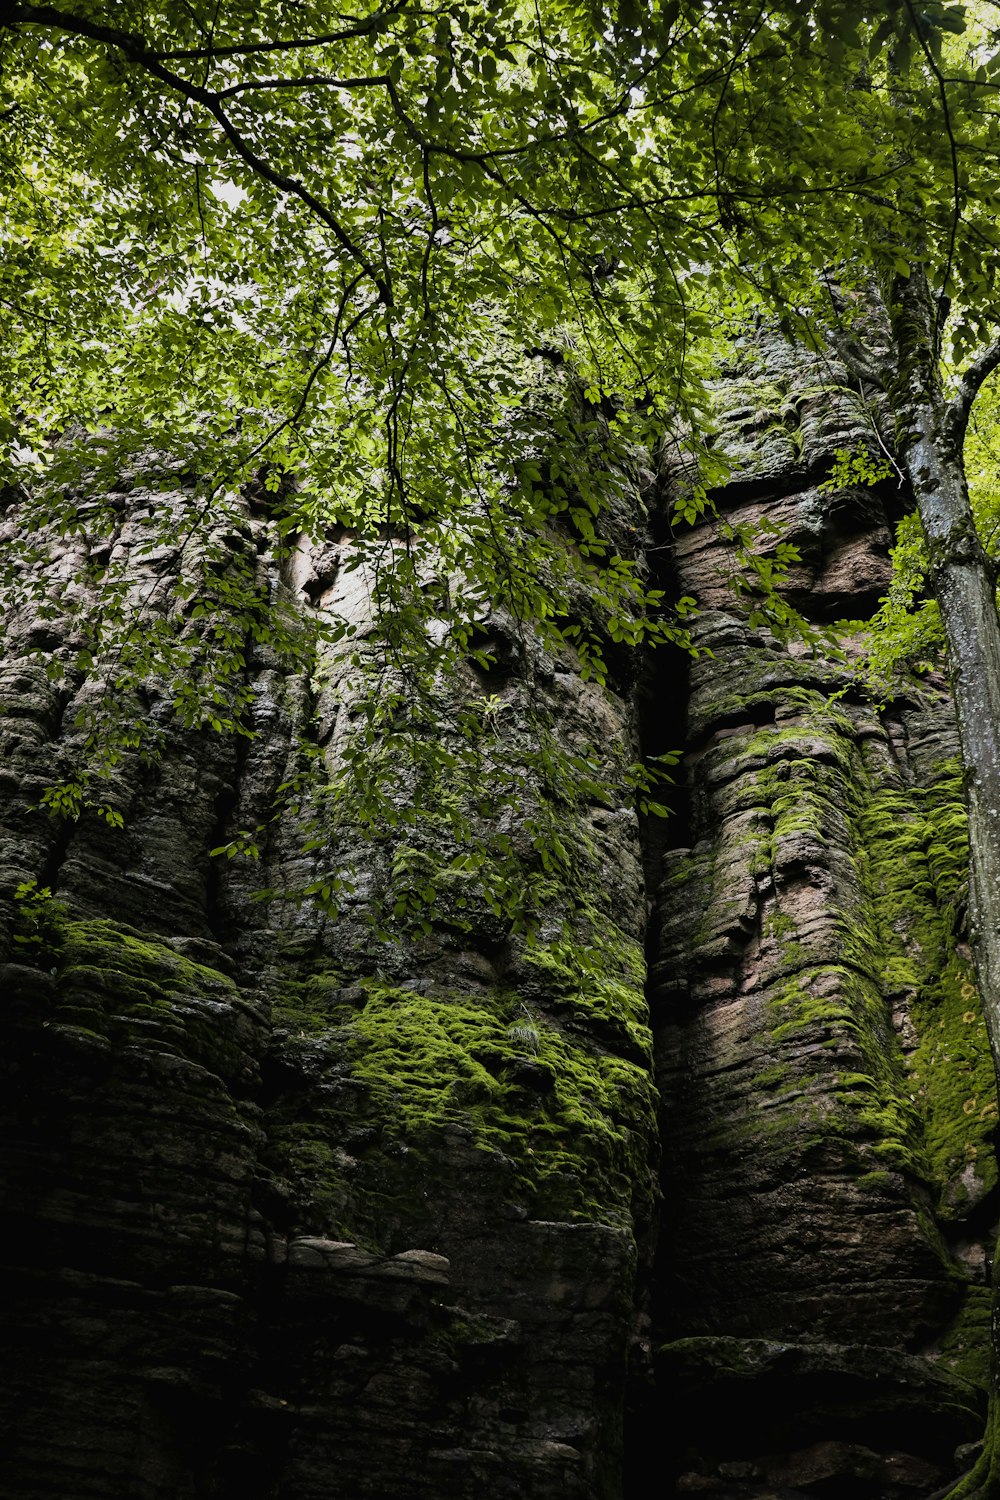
(297, 1210)
(827, 1093)
(293, 1208)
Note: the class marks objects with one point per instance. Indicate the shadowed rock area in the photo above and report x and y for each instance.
(298, 1208)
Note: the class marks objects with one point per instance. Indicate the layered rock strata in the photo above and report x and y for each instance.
(296, 1207)
(828, 1104)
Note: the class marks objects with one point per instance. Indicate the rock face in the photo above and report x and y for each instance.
(299, 1209)
(296, 1208)
(827, 1097)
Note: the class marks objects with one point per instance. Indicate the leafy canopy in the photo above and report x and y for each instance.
(437, 274)
(348, 232)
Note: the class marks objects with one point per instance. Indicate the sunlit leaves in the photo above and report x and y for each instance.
(450, 269)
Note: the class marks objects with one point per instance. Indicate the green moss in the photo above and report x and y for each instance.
(953, 1074)
(918, 850)
(909, 854)
(599, 986)
(916, 847)
(771, 1077)
(540, 1089)
(132, 989)
(874, 1182)
(926, 1109)
(965, 1348)
(131, 960)
(574, 1120)
(936, 1115)
(314, 1171)
(311, 1002)
(819, 998)
(552, 1085)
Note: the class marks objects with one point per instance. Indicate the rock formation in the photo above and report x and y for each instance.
(297, 1208)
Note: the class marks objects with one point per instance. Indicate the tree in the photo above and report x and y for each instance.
(482, 250)
(475, 246)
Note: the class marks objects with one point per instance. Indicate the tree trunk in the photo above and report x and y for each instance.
(929, 445)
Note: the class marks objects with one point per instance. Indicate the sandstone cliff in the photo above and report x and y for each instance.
(300, 1209)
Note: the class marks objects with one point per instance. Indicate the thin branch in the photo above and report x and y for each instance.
(220, 478)
(861, 361)
(738, 52)
(307, 80)
(201, 206)
(953, 144)
(372, 23)
(27, 312)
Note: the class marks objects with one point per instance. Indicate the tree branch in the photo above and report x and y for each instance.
(363, 28)
(136, 51)
(861, 361)
(308, 80)
(858, 360)
(48, 15)
(960, 405)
